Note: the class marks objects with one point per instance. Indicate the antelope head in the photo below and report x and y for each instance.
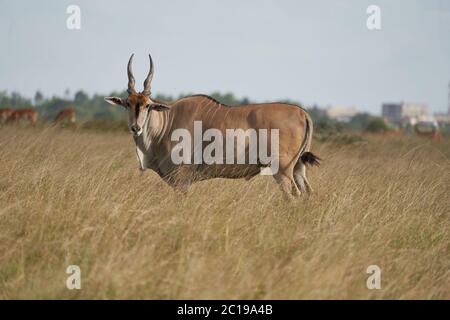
(138, 104)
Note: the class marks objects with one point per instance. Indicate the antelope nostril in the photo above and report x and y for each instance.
(135, 129)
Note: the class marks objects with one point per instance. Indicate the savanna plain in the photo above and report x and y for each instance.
(73, 196)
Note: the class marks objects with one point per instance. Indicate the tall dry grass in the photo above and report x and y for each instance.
(76, 197)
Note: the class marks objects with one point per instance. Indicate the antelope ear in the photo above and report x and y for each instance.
(115, 100)
(159, 106)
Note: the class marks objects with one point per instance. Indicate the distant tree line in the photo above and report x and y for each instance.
(95, 108)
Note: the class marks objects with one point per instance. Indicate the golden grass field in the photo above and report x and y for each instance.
(76, 197)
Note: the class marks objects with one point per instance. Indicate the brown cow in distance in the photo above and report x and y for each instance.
(28, 114)
(5, 113)
(68, 114)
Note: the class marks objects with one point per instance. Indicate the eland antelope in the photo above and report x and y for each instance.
(153, 124)
(5, 113)
(68, 114)
(27, 114)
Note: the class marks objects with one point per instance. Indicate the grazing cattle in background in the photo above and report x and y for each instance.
(5, 113)
(68, 115)
(27, 114)
(152, 124)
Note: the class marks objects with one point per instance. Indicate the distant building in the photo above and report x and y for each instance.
(404, 113)
(341, 114)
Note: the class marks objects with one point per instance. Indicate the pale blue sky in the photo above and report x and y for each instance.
(310, 51)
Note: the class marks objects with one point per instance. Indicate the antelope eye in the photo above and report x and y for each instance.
(147, 106)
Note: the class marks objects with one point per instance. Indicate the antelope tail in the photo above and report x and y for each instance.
(306, 156)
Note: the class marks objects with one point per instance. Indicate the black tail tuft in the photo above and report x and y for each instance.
(310, 158)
